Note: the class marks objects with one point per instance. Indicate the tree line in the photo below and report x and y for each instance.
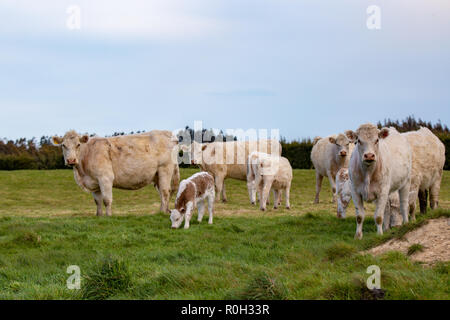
(42, 155)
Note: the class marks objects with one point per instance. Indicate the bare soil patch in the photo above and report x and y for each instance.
(434, 238)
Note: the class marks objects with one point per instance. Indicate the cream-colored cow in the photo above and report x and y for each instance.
(228, 159)
(125, 162)
(328, 155)
(428, 159)
(380, 165)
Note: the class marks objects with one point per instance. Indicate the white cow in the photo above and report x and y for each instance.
(328, 155)
(227, 159)
(266, 171)
(380, 165)
(428, 159)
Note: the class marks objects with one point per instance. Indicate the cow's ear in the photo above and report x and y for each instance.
(384, 133)
(332, 140)
(84, 138)
(204, 147)
(57, 140)
(351, 135)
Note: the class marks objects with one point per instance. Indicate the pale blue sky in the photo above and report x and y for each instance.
(305, 67)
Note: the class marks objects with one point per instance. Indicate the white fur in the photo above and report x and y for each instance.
(265, 172)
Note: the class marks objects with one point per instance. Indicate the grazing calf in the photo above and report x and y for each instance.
(344, 195)
(265, 171)
(380, 165)
(428, 159)
(328, 155)
(193, 192)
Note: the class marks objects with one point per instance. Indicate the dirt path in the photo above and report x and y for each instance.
(433, 236)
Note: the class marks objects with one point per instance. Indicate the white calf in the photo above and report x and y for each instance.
(265, 171)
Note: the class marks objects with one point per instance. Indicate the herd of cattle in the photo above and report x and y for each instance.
(391, 168)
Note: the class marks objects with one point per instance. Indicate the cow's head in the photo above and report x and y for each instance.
(367, 141)
(177, 217)
(197, 152)
(71, 146)
(342, 144)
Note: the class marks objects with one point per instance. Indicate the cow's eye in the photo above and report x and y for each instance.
(377, 141)
(63, 145)
(182, 210)
(78, 145)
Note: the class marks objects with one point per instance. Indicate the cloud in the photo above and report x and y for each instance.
(114, 18)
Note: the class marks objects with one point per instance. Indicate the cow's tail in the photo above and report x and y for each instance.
(316, 139)
(250, 172)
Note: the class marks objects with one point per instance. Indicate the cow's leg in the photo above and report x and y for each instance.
(99, 202)
(380, 209)
(434, 193)
(201, 210)
(319, 179)
(164, 184)
(187, 219)
(359, 207)
(210, 200)
(278, 199)
(224, 195)
(219, 182)
(275, 198)
(106, 190)
(412, 198)
(267, 183)
(404, 202)
(423, 200)
(287, 193)
(387, 216)
(332, 180)
(251, 191)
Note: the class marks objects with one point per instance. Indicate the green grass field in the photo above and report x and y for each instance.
(48, 223)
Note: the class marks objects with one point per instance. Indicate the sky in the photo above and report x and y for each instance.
(305, 67)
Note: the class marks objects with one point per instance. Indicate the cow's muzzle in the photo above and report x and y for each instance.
(71, 162)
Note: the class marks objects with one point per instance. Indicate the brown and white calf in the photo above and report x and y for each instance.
(428, 159)
(328, 155)
(265, 172)
(193, 192)
(125, 162)
(228, 159)
(380, 165)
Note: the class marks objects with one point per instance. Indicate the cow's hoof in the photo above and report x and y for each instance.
(288, 208)
(262, 209)
(224, 200)
(253, 203)
(275, 208)
(358, 235)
